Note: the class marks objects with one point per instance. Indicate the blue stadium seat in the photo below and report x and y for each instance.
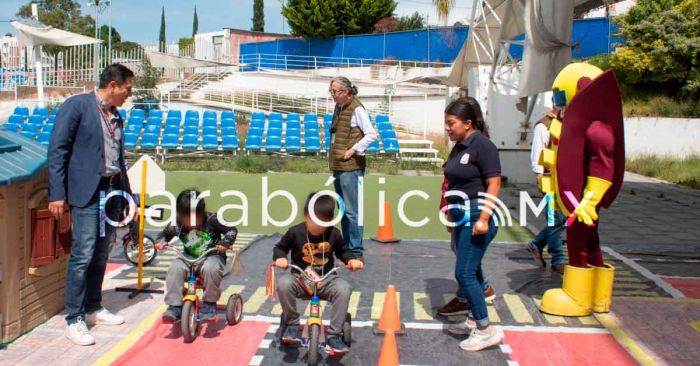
(22, 111)
(17, 119)
(228, 123)
(312, 144)
(51, 119)
(384, 126)
(257, 115)
(175, 113)
(54, 112)
(44, 138)
(191, 123)
(257, 123)
(229, 142)
(293, 132)
(327, 120)
(253, 143)
(293, 117)
(130, 140)
(149, 141)
(209, 114)
(151, 130)
(208, 122)
(172, 121)
(154, 121)
(292, 144)
(41, 111)
(387, 134)
(171, 130)
(47, 127)
(191, 130)
(210, 142)
(210, 130)
(27, 134)
(275, 116)
(11, 126)
(153, 113)
(373, 147)
(135, 120)
(277, 132)
(382, 118)
(311, 133)
(293, 125)
(274, 123)
(190, 141)
(133, 128)
(228, 115)
(390, 146)
(255, 132)
(137, 113)
(310, 122)
(169, 141)
(327, 139)
(121, 111)
(228, 131)
(273, 143)
(36, 119)
(190, 114)
(30, 127)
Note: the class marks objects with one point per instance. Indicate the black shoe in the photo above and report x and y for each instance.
(291, 335)
(172, 314)
(208, 311)
(335, 345)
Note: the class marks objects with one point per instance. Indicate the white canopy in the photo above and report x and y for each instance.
(32, 33)
(159, 59)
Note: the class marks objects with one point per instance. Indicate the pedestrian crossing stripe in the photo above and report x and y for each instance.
(354, 303)
(234, 289)
(551, 319)
(421, 306)
(253, 304)
(517, 308)
(378, 304)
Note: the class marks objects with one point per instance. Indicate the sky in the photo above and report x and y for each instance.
(139, 20)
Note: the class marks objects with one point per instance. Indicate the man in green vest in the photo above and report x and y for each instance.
(351, 135)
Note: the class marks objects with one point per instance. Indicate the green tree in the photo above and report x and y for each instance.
(258, 16)
(145, 81)
(326, 19)
(195, 23)
(410, 22)
(662, 44)
(104, 35)
(161, 36)
(184, 46)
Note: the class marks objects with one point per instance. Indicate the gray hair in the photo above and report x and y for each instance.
(346, 83)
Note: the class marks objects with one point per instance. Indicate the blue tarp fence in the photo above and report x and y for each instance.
(437, 45)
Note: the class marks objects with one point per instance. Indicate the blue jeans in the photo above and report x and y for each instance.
(88, 256)
(461, 295)
(346, 187)
(470, 252)
(551, 236)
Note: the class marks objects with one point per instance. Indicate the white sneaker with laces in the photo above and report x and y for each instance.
(79, 334)
(103, 317)
(462, 328)
(481, 339)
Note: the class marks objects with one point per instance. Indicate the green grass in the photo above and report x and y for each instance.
(660, 106)
(682, 171)
(300, 185)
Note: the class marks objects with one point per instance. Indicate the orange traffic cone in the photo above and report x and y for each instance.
(389, 320)
(389, 354)
(386, 231)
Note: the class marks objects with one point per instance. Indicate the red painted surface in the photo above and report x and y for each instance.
(539, 349)
(114, 265)
(217, 344)
(690, 287)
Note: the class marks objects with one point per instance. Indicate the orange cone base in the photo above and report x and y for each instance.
(377, 331)
(386, 241)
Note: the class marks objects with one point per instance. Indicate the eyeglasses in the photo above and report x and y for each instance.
(335, 91)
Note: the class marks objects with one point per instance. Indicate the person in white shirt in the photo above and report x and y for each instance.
(551, 235)
(351, 135)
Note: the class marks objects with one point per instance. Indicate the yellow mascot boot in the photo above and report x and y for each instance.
(575, 298)
(602, 292)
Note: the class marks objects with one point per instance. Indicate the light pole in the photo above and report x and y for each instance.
(100, 6)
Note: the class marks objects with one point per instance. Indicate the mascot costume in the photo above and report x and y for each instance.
(586, 160)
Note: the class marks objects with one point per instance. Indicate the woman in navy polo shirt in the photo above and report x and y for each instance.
(473, 175)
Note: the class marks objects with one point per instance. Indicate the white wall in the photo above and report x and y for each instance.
(677, 137)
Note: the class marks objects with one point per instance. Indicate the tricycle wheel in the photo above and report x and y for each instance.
(347, 329)
(189, 323)
(131, 250)
(312, 354)
(234, 309)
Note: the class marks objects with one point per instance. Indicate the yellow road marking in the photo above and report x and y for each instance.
(130, 339)
(277, 309)
(639, 353)
(493, 315)
(695, 325)
(551, 319)
(517, 308)
(378, 304)
(588, 320)
(256, 300)
(233, 289)
(421, 306)
(354, 303)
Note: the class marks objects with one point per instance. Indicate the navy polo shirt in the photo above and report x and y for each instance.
(469, 164)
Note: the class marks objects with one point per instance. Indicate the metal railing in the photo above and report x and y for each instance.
(263, 61)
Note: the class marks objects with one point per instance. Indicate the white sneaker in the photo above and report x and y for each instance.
(481, 339)
(462, 328)
(79, 334)
(104, 317)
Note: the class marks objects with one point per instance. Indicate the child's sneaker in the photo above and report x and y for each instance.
(336, 345)
(172, 314)
(207, 311)
(462, 328)
(481, 339)
(291, 335)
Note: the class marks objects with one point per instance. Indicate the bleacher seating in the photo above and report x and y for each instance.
(133, 128)
(190, 141)
(40, 111)
(253, 142)
(373, 148)
(228, 123)
(155, 113)
(327, 121)
(391, 145)
(229, 131)
(11, 126)
(137, 113)
(47, 127)
(22, 111)
(210, 142)
(169, 141)
(293, 132)
(190, 114)
(51, 119)
(228, 115)
(130, 140)
(312, 144)
(36, 120)
(292, 144)
(191, 130)
(54, 112)
(175, 114)
(229, 142)
(273, 143)
(210, 130)
(209, 122)
(208, 114)
(16, 119)
(121, 111)
(44, 137)
(171, 130)
(149, 141)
